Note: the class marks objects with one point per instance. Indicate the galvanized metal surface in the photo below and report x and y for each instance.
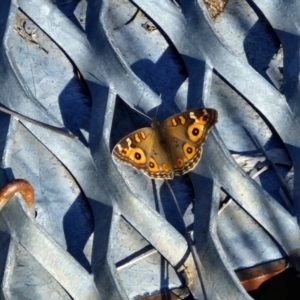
(98, 222)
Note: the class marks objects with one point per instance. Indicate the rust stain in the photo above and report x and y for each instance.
(252, 278)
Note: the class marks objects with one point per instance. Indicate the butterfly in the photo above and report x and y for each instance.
(170, 149)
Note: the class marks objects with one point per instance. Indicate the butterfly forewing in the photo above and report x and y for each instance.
(186, 133)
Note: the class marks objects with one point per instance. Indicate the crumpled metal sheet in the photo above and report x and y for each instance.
(102, 230)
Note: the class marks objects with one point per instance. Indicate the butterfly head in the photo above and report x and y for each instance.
(155, 124)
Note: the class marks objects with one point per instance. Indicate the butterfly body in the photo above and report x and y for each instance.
(170, 149)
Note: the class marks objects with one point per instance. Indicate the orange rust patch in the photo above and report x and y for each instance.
(18, 186)
(253, 277)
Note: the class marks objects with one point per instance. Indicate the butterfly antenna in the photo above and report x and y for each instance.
(189, 241)
(131, 106)
(157, 108)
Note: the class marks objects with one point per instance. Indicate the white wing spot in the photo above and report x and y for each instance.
(128, 140)
(192, 116)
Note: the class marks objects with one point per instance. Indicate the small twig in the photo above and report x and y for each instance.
(29, 36)
(43, 125)
(265, 168)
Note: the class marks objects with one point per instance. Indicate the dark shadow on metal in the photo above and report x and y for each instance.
(134, 255)
(73, 220)
(260, 30)
(68, 8)
(5, 241)
(70, 110)
(155, 195)
(164, 275)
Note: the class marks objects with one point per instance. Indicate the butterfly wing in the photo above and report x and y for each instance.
(185, 134)
(142, 151)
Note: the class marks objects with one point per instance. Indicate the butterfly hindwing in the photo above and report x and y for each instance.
(142, 150)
